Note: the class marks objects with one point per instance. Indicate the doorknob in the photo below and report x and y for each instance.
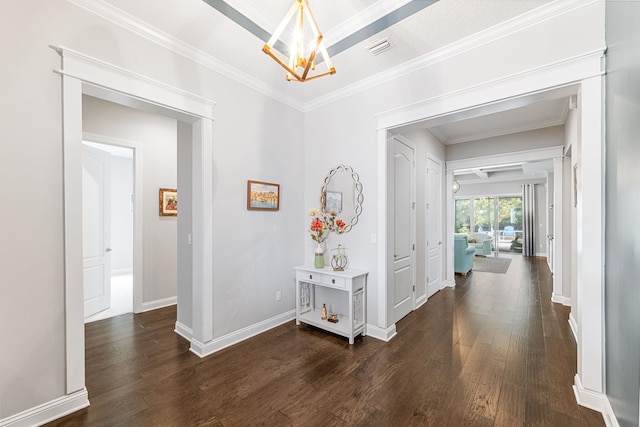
(440, 242)
(107, 250)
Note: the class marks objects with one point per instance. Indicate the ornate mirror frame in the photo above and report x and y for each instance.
(358, 197)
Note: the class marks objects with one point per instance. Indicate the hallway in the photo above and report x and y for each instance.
(494, 351)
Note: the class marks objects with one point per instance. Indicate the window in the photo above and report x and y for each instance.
(463, 216)
(488, 214)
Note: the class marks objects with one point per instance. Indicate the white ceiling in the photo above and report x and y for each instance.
(224, 31)
(436, 26)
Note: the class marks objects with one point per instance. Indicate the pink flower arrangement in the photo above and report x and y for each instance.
(322, 223)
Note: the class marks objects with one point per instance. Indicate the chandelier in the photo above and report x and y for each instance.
(302, 55)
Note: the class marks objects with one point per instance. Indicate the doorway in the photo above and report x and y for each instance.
(101, 80)
(118, 214)
(497, 218)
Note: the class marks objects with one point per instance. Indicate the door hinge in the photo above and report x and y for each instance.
(414, 288)
(414, 246)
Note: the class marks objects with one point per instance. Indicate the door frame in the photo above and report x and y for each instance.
(582, 75)
(82, 74)
(138, 191)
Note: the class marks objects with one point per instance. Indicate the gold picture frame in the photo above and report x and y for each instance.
(263, 196)
(168, 202)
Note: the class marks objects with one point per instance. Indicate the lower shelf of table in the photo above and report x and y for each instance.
(343, 327)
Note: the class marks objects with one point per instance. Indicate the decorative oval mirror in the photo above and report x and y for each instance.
(341, 198)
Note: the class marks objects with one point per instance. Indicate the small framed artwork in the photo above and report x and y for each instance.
(333, 202)
(263, 196)
(168, 202)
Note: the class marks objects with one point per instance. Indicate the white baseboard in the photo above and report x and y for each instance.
(217, 344)
(574, 327)
(596, 401)
(421, 301)
(159, 303)
(184, 331)
(380, 333)
(561, 299)
(448, 283)
(49, 411)
(610, 419)
(588, 398)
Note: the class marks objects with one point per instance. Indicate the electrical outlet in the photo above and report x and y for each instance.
(278, 295)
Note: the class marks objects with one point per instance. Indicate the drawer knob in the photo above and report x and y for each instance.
(310, 276)
(333, 281)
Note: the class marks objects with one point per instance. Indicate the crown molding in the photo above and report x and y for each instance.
(466, 44)
(155, 35)
(143, 29)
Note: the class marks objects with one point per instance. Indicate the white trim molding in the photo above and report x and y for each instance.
(561, 299)
(49, 411)
(381, 334)
(82, 74)
(159, 303)
(161, 38)
(529, 86)
(609, 416)
(184, 331)
(588, 398)
(448, 284)
(573, 325)
(217, 344)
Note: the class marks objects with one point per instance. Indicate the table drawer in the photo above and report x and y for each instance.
(325, 279)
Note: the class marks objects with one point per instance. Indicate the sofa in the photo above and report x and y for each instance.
(462, 254)
(482, 243)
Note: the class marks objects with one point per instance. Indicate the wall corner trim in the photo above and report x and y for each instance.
(596, 401)
(588, 398)
(609, 416)
(381, 334)
(183, 330)
(49, 411)
(448, 284)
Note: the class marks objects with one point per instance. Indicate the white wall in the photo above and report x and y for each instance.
(570, 280)
(185, 225)
(158, 137)
(521, 141)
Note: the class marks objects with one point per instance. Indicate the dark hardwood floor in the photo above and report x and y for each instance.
(493, 351)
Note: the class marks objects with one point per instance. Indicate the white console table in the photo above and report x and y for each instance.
(343, 292)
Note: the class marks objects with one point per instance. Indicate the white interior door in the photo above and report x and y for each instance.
(96, 223)
(404, 228)
(434, 226)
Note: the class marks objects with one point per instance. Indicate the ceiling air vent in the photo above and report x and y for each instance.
(380, 47)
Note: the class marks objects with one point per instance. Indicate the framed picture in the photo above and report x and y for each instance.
(168, 202)
(333, 202)
(263, 196)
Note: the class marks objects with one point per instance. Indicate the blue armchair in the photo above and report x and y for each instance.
(462, 254)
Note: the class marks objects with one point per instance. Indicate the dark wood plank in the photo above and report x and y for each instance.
(493, 351)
